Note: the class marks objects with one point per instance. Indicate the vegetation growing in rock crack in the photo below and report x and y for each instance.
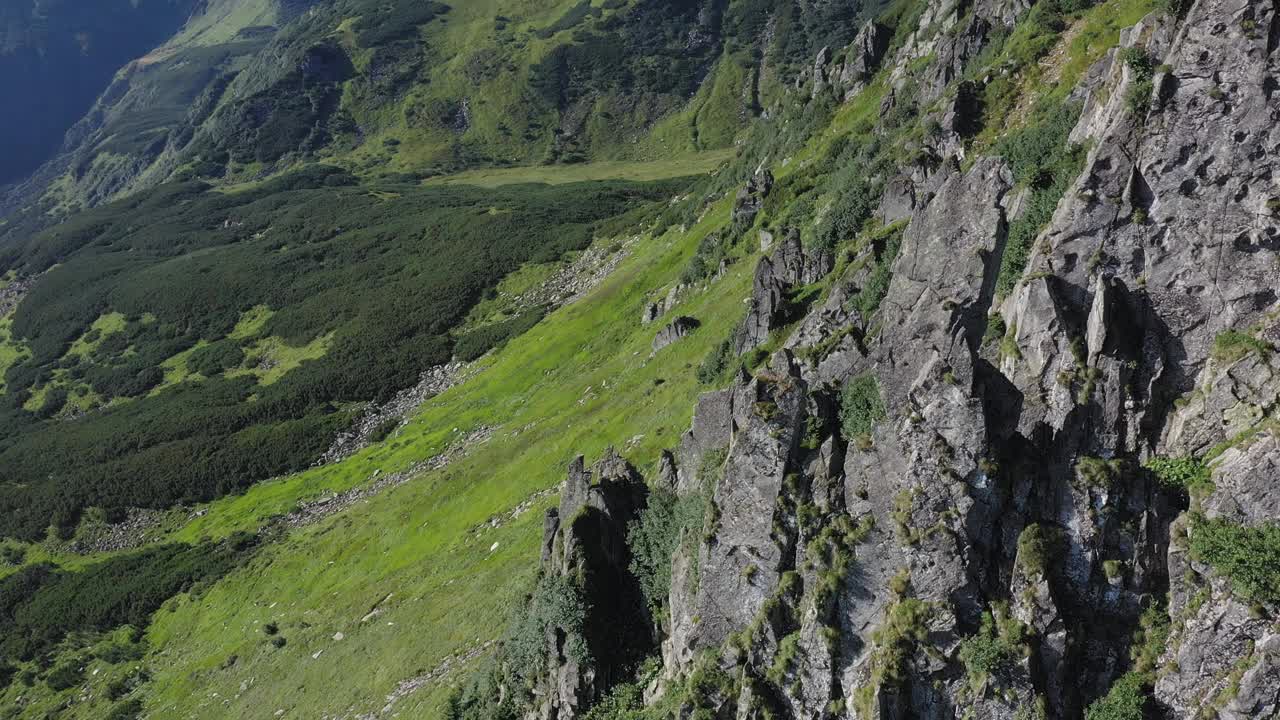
(860, 406)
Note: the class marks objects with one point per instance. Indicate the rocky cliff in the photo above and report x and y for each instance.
(1039, 475)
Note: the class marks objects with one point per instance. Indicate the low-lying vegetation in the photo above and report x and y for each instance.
(42, 604)
(1248, 556)
(351, 278)
(1046, 163)
(860, 407)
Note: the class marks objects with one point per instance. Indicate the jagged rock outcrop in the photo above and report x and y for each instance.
(750, 198)
(1224, 653)
(863, 57)
(766, 309)
(585, 544)
(789, 266)
(654, 310)
(673, 331)
(947, 507)
(744, 561)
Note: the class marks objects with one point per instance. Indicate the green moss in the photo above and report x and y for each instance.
(785, 659)
(714, 366)
(1151, 637)
(1043, 160)
(1187, 473)
(995, 648)
(666, 521)
(624, 702)
(888, 242)
(996, 329)
(1141, 71)
(903, 631)
(1126, 700)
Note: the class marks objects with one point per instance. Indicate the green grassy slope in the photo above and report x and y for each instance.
(633, 170)
(550, 394)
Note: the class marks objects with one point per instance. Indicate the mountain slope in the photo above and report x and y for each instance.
(1009, 466)
(419, 88)
(950, 395)
(74, 46)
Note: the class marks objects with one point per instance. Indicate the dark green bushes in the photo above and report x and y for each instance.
(1184, 473)
(860, 406)
(66, 675)
(569, 20)
(1248, 556)
(713, 366)
(478, 697)
(41, 604)
(396, 20)
(654, 536)
(847, 215)
(216, 358)
(887, 244)
(642, 51)
(116, 653)
(1038, 547)
(556, 602)
(1142, 71)
(1126, 700)
(1042, 159)
(385, 281)
(472, 345)
(126, 710)
(624, 702)
(712, 250)
(990, 652)
(13, 554)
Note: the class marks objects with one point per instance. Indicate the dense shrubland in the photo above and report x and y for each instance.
(41, 603)
(377, 278)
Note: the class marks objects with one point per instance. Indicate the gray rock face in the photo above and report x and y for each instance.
(654, 310)
(863, 58)
(649, 313)
(898, 201)
(766, 309)
(996, 478)
(789, 266)
(584, 542)
(741, 557)
(797, 265)
(751, 197)
(943, 280)
(1247, 483)
(712, 429)
(821, 72)
(674, 330)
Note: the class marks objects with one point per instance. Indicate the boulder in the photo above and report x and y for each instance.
(674, 330)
